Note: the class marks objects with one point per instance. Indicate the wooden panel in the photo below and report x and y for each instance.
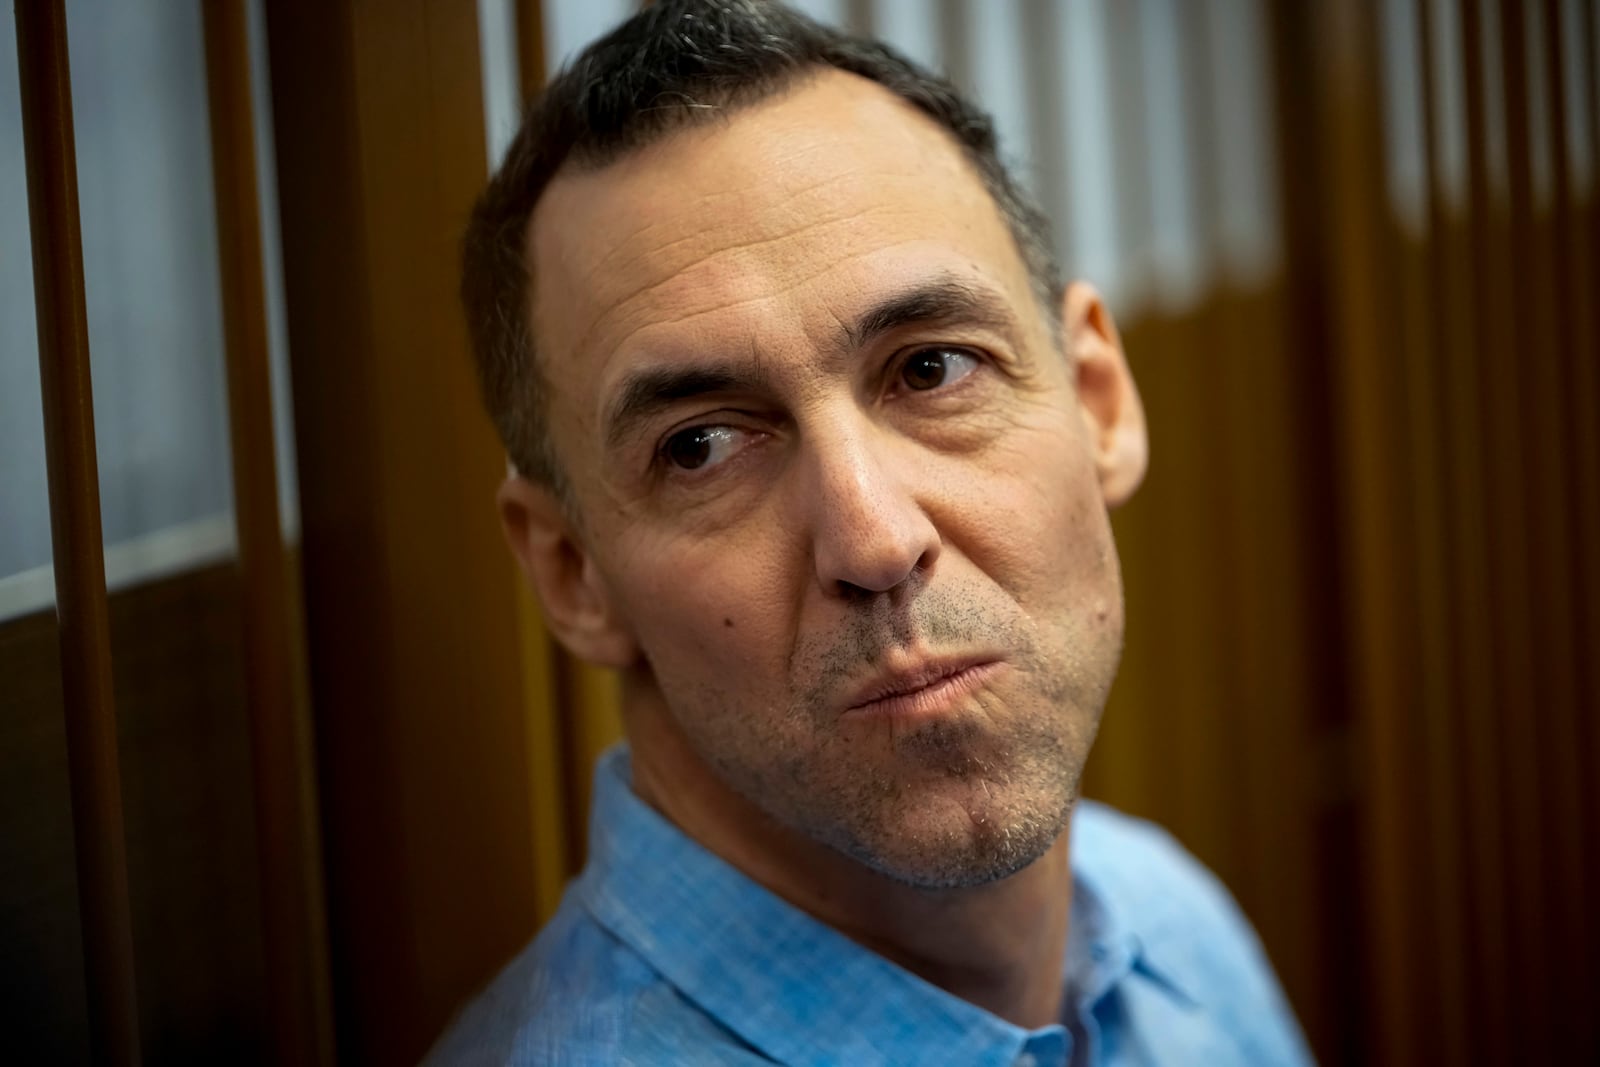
(413, 622)
(185, 758)
(286, 830)
(182, 698)
(1472, 712)
(1575, 249)
(68, 404)
(1419, 335)
(43, 1002)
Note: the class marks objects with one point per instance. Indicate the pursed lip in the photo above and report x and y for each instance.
(882, 689)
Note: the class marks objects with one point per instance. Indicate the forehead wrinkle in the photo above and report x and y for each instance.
(625, 245)
(823, 265)
(809, 224)
(737, 302)
(707, 205)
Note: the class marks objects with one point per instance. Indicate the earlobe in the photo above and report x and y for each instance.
(1107, 397)
(577, 605)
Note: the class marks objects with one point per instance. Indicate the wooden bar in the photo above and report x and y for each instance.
(1503, 326)
(1495, 332)
(1586, 52)
(1436, 695)
(860, 17)
(412, 611)
(1452, 703)
(1240, 386)
(1371, 471)
(1563, 911)
(1575, 508)
(1576, 251)
(955, 42)
(81, 613)
(1469, 634)
(286, 835)
(530, 48)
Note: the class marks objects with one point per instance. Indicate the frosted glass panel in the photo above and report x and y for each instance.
(24, 499)
(154, 309)
(150, 255)
(497, 54)
(571, 24)
(272, 277)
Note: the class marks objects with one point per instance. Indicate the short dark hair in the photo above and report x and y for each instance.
(676, 63)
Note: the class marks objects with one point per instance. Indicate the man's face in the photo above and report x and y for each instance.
(832, 476)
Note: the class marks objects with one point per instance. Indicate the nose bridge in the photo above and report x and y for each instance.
(869, 531)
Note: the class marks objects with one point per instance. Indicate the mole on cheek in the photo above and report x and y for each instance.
(728, 623)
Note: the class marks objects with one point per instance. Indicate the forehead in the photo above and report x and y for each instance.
(761, 229)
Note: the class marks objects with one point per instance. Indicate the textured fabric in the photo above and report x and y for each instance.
(663, 954)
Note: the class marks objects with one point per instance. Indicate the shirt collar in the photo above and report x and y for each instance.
(787, 984)
(1122, 925)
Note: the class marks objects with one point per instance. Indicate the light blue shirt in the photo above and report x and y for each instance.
(661, 953)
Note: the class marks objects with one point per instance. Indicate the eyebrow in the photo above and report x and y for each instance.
(942, 299)
(650, 391)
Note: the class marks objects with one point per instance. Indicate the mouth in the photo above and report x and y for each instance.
(930, 687)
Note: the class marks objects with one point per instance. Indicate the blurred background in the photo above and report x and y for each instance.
(288, 766)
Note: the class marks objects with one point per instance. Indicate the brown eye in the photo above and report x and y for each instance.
(699, 446)
(933, 367)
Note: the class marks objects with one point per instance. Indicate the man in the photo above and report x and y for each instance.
(813, 446)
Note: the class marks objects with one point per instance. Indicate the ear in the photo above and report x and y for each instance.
(1107, 398)
(578, 607)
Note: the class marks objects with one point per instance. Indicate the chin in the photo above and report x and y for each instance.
(958, 842)
(989, 855)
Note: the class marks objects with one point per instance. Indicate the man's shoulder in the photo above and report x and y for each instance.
(1153, 884)
(572, 986)
(576, 995)
(1191, 932)
(1143, 869)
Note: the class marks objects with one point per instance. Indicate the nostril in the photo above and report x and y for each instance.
(851, 592)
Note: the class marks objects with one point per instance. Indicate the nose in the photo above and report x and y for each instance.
(869, 532)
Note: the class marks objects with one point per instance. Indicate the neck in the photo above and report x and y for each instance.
(998, 946)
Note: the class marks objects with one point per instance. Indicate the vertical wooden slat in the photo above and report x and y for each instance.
(1366, 399)
(1551, 704)
(531, 72)
(287, 841)
(1135, 755)
(1496, 331)
(955, 51)
(1442, 922)
(75, 531)
(1579, 348)
(412, 629)
(1437, 905)
(1586, 51)
(1197, 371)
(1047, 135)
(1237, 334)
(1472, 711)
(860, 17)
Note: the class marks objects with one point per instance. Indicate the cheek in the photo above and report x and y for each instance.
(1041, 522)
(706, 612)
